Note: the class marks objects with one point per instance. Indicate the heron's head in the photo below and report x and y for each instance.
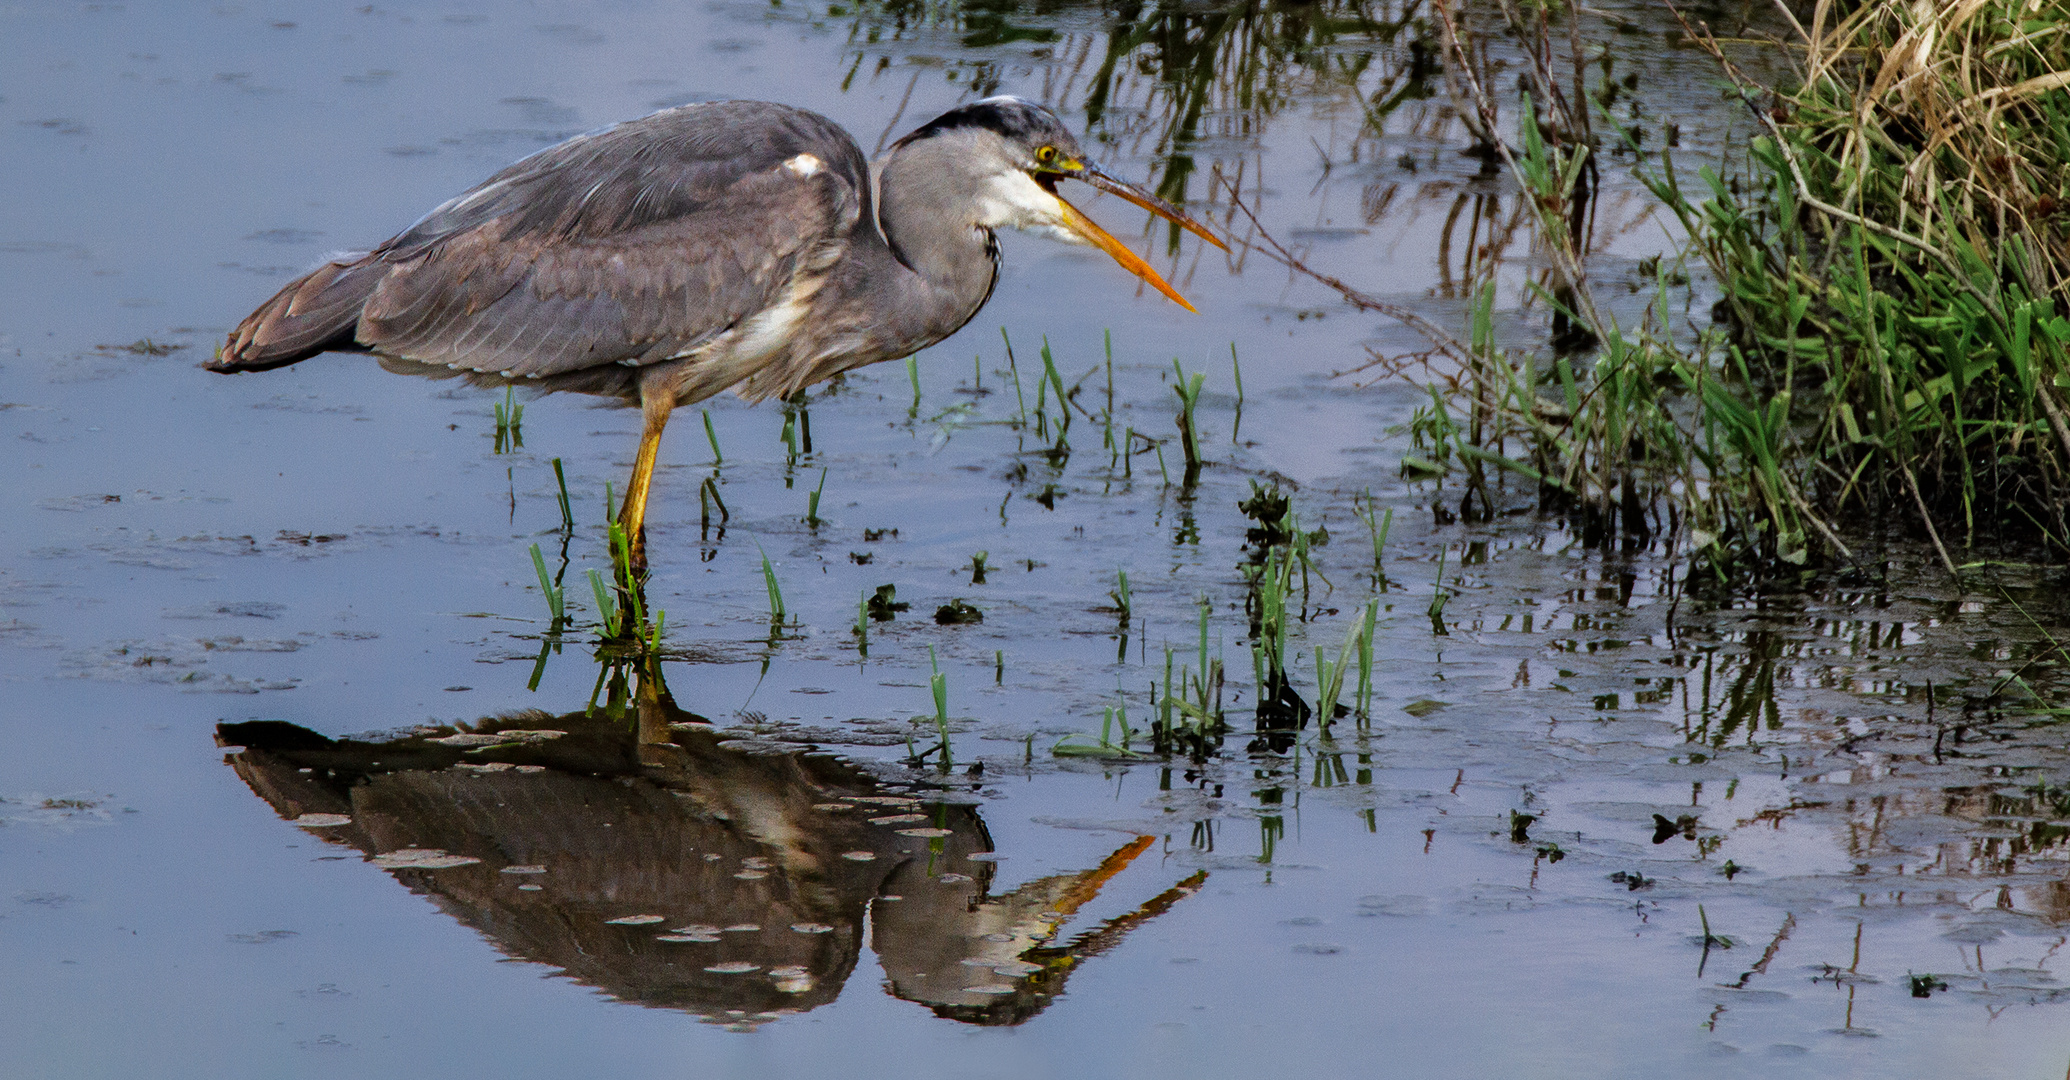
(1010, 153)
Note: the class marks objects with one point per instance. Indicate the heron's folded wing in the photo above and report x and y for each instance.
(629, 245)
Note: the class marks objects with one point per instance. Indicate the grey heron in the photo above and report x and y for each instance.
(738, 244)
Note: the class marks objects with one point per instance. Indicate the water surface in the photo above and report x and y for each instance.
(1852, 785)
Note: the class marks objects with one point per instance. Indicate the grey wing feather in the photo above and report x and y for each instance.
(629, 245)
(624, 246)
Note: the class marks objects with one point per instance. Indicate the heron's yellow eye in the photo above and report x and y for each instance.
(1046, 155)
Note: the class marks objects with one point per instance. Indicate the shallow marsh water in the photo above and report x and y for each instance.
(345, 551)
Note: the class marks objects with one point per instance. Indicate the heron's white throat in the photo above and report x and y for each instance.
(1013, 200)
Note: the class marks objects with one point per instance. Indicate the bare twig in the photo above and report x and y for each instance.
(1272, 249)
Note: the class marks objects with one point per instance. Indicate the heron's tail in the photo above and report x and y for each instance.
(315, 313)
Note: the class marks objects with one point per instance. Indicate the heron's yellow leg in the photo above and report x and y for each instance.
(654, 410)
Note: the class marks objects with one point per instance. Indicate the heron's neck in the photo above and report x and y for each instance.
(926, 209)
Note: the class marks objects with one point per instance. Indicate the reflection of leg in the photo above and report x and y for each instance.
(655, 707)
(1088, 884)
(1108, 934)
(655, 405)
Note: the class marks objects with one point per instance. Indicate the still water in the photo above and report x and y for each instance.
(294, 785)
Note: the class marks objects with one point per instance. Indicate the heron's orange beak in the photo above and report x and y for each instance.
(1078, 223)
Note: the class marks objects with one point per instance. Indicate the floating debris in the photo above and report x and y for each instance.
(755, 862)
(811, 927)
(831, 807)
(859, 856)
(957, 613)
(467, 738)
(696, 930)
(322, 821)
(633, 920)
(742, 928)
(927, 833)
(685, 939)
(263, 937)
(898, 819)
(480, 739)
(733, 967)
(530, 888)
(527, 868)
(792, 980)
(752, 875)
(882, 800)
(946, 879)
(990, 990)
(420, 859)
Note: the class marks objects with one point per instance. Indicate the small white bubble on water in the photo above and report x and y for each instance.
(633, 920)
(859, 856)
(733, 967)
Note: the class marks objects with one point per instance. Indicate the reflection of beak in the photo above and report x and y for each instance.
(1082, 226)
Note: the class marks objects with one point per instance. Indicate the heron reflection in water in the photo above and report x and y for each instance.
(740, 244)
(668, 864)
